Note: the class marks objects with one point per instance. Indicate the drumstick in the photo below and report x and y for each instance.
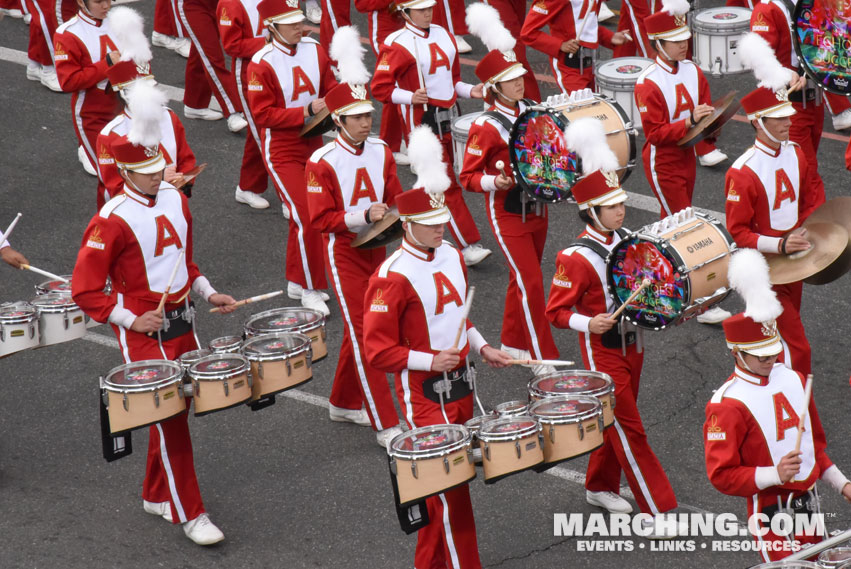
(45, 273)
(419, 71)
(8, 232)
(644, 284)
(467, 306)
(582, 27)
(540, 362)
(161, 305)
(808, 392)
(245, 301)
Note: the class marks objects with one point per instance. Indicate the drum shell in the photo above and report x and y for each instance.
(314, 330)
(502, 456)
(570, 436)
(19, 333)
(274, 373)
(605, 394)
(716, 45)
(216, 392)
(460, 132)
(621, 88)
(144, 407)
(432, 477)
(59, 322)
(694, 248)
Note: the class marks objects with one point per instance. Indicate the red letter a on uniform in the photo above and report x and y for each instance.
(166, 236)
(784, 415)
(438, 58)
(446, 293)
(684, 102)
(301, 83)
(783, 188)
(363, 187)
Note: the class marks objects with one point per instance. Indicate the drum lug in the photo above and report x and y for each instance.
(553, 434)
(486, 451)
(196, 388)
(157, 399)
(393, 468)
(414, 469)
(289, 368)
(260, 371)
(32, 331)
(309, 357)
(517, 448)
(446, 464)
(65, 320)
(104, 395)
(126, 402)
(227, 390)
(470, 458)
(613, 400)
(2, 334)
(600, 422)
(322, 332)
(581, 432)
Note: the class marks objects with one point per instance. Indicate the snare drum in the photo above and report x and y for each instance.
(543, 166)
(685, 256)
(572, 425)
(717, 33)
(60, 319)
(512, 409)
(279, 361)
(19, 328)
(836, 558)
(219, 381)
(186, 360)
(460, 131)
(509, 445)
(143, 393)
(225, 345)
(577, 382)
(430, 460)
(302, 320)
(616, 79)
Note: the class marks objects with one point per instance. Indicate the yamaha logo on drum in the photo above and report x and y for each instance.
(700, 245)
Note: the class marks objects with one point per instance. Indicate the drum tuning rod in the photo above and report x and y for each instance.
(44, 273)
(556, 363)
(467, 306)
(9, 229)
(644, 284)
(808, 392)
(245, 301)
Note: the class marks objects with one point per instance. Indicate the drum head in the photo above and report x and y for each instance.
(567, 382)
(188, 358)
(564, 408)
(786, 564)
(820, 32)
(836, 557)
(663, 302)
(475, 423)
(17, 312)
(461, 126)
(143, 374)
(511, 408)
(505, 427)
(269, 345)
(540, 161)
(54, 286)
(53, 302)
(429, 440)
(722, 18)
(623, 71)
(225, 343)
(283, 320)
(218, 364)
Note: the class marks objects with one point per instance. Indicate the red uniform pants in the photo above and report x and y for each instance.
(206, 72)
(796, 347)
(633, 13)
(625, 445)
(461, 225)
(452, 14)
(335, 14)
(252, 173)
(356, 383)
(524, 324)
(46, 17)
(672, 182)
(166, 19)
(513, 13)
(807, 125)
(170, 471)
(570, 79)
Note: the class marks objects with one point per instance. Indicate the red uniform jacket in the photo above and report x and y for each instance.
(242, 33)
(565, 20)
(771, 20)
(381, 22)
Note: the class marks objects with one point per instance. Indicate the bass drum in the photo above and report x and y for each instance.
(820, 35)
(543, 166)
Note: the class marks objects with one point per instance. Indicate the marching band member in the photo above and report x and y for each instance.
(449, 15)
(243, 36)
(413, 309)
(767, 198)
(772, 20)
(335, 14)
(47, 15)
(750, 437)
(418, 70)
(142, 98)
(579, 299)
(288, 80)
(572, 41)
(168, 31)
(351, 181)
(135, 240)
(526, 331)
(83, 50)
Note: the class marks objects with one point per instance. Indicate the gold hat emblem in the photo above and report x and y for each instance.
(436, 200)
(782, 95)
(680, 20)
(509, 56)
(769, 328)
(143, 68)
(358, 92)
(151, 151)
(292, 3)
(612, 179)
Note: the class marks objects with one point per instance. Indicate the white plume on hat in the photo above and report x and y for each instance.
(126, 26)
(484, 23)
(426, 155)
(587, 138)
(675, 7)
(145, 102)
(748, 275)
(758, 56)
(347, 51)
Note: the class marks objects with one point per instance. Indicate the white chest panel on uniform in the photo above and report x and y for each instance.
(250, 7)
(298, 74)
(361, 177)
(780, 179)
(589, 31)
(436, 53)
(95, 39)
(675, 87)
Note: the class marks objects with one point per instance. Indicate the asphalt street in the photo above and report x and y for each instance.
(288, 487)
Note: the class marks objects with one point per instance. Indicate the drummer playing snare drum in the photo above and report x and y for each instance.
(579, 299)
(413, 309)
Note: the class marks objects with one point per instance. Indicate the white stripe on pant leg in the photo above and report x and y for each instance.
(172, 487)
(177, 24)
(762, 545)
(373, 18)
(344, 308)
(237, 73)
(639, 39)
(527, 314)
(447, 532)
(57, 7)
(294, 218)
(450, 25)
(330, 11)
(559, 77)
(44, 29)
(406, 399)
(636, 471)
(83, 138)
(207, 65)
(656, 187)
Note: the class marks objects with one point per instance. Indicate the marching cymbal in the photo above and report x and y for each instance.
(828, 241)
(725, 108)
(380, 233)
(838, 211)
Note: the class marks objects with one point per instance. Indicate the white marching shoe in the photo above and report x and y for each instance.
(713, 158)
(182, 47)
(162, 509)
(385, 436)
(463, 46)
(250, 198)
(202, 114)
(286, 213)
(715, 315)
(295, 292)
(48, 78)
(609, 501)
(84, 160)
(401, 159)
(313, 299)
(475, 254)
(842, 120)
(203, 531)
(356, 416)
(236, 122)
(312, 11)
(33, 71)
(516, 353)
(12, 13)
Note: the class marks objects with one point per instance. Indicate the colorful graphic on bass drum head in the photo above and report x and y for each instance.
(546, 170)
(657, 305)
(821, 41)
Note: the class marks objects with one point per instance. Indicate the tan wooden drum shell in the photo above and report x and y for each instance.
(137, 403)
(504, 455)
(218, 390)
(287, 364)
(571, 425)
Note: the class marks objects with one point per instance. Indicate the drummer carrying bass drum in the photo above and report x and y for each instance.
(520, 228)
(413, 309)
(579, 299)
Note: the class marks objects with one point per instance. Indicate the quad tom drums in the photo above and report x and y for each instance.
(279, 361)
(219, 381)
(430, 460)
(142, 393)
(60, 319)
(685, 256)
(19, 327)
(616, 79)
(294, 320)
(717, 33)
(543, 166)
(572, 425)
(510, 445)
(577, 382)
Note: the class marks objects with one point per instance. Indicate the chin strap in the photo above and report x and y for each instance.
(348, 134)
(743, 362)
(662, 50)
(768, 134)
(597, 221)
(501, 94)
